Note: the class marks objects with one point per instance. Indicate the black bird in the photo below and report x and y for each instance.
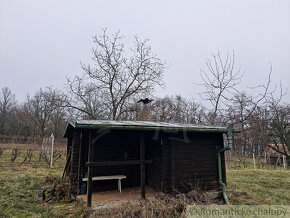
(144, 101)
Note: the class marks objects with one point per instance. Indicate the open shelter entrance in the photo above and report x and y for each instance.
(118, 155)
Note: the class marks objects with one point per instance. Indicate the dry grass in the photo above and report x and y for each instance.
(167, 206)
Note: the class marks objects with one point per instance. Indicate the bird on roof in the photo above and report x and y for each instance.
(145, 101)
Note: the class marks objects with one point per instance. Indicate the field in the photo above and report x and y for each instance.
(19, 183)
(258, 186)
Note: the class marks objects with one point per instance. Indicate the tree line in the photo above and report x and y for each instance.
(118, 77)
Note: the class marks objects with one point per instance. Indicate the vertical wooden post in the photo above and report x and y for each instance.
(254, 161)
(68, 148)
(80, 163)
(164, 168)
(75, 159)
(89, 182)
(172, 168)
(51, 152)
(142, 166)
(284, 161)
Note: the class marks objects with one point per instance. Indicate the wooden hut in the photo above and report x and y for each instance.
(167, 157)
(277, 158)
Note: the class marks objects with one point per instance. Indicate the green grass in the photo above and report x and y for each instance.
(258, 186)
(19, 184)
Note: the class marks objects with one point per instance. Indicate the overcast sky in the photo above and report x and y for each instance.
(43, 42)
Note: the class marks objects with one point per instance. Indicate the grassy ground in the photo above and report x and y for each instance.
(19, 184)
(258, 186)
(267, 184)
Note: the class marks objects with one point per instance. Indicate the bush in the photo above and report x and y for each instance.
(14, 154)
(57, 190)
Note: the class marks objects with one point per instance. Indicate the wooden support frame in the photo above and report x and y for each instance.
(89, 184)
(142, 162)
(80, 162)
(172, 168)
(113, 163)
(142, 166)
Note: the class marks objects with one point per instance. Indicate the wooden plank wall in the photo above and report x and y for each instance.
(192, 164)
(75, 159)
(165, 166)
(153, 152)
(175, 164)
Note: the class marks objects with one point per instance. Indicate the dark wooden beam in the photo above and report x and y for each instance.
(142, 166)
(79, 163)
(89, 183)
(69, 145)
(172, 168)
(113, 163)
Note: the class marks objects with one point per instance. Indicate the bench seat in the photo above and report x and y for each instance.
(119, 177)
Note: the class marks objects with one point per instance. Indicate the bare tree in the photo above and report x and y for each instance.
(221, 82)
(162, 109)
(261, 125)
(109, 85)
(86, 99)
(177, 109)
(279, 124)
(7, 100)
(11, 122)
(7, 103)
(194, 112)
(45, 111)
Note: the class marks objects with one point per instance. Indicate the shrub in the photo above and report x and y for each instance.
(57, 189)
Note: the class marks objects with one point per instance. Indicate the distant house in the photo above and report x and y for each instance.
(271, 152)
(168, 157)
(274, 157)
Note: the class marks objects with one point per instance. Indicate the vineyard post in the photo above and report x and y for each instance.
(254, 160)
(284, 161)
(52, 144)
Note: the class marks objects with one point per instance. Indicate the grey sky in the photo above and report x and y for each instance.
(42, 42)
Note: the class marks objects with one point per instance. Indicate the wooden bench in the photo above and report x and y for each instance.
(119, 177)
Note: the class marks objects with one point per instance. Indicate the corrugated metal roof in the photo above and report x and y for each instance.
(145, 125)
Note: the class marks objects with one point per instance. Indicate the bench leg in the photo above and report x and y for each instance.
(119, 185)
